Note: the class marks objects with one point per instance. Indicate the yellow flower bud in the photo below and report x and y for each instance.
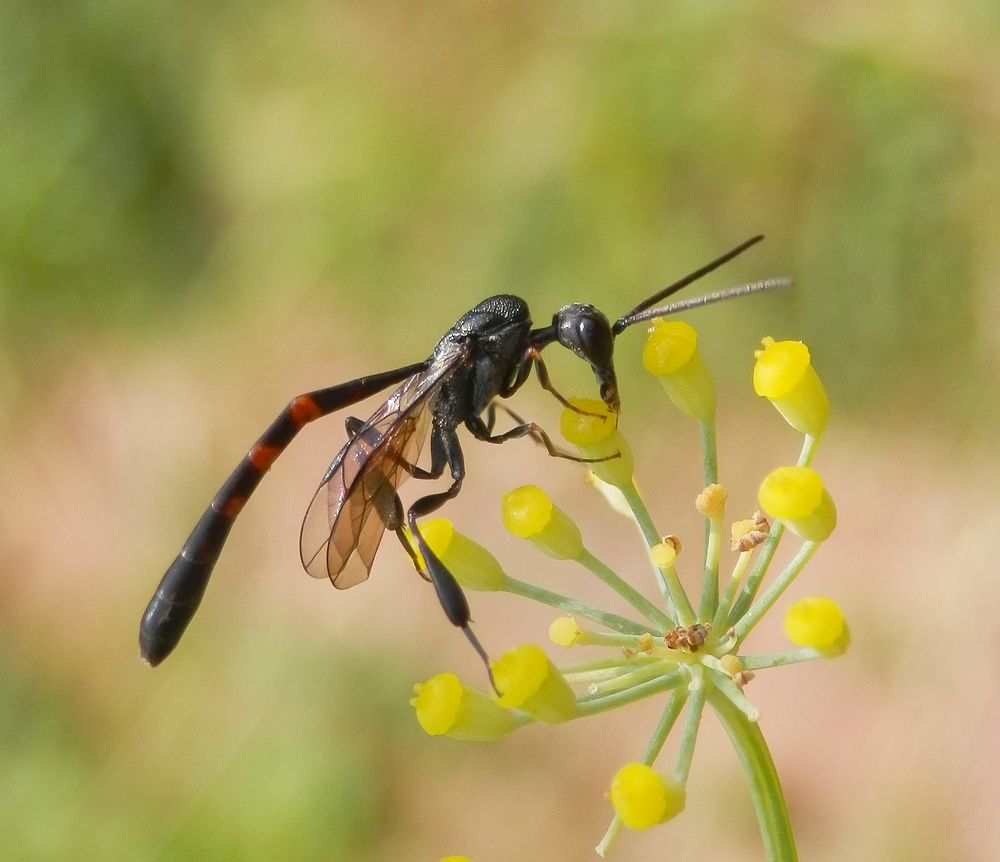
(529, 513)
(643, 798)
(473, 566)
(445, 707)
(663, 555)
(818, 623)
(671, 353)
(784, 374)
(749, 533)
(711, 502)
(564, 632)
(528, 681)
(797, 496)
(731, 664)
(597, 436)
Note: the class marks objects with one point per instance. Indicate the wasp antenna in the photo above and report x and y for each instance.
(628, 319)
(709, 298)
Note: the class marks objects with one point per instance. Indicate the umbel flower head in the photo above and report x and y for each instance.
(692, 653)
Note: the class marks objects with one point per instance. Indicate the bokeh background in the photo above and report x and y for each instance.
(207, 208)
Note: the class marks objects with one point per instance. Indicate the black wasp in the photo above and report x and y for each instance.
(488, 353)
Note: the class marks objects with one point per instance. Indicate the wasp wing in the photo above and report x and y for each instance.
(356, 501)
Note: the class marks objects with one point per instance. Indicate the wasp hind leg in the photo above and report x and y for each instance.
(445, 450)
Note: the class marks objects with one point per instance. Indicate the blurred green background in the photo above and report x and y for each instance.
(207, 208)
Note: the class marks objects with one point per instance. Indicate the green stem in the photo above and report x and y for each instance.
(594, 678)
(765, 787)
(663, 728)
(625, 590)
(609, 837)
(710, 579)
(773, 593)
(808, 452)
(589, 677)
(644, 522)
(641, 514)
(632, 678)
(713, 527)
(593, 704)
(666, 579)
(779, 659)
(588, 637)
(665, 725)
(564, 603)
(710, 454)
(691, 723)
(736, 697)
(758, 571)
(619, 662)
(809, 445)
(678, 597)
(722, 613)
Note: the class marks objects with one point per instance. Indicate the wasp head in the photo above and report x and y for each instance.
(587, 332)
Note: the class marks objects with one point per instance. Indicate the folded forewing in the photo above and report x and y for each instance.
(356, 501)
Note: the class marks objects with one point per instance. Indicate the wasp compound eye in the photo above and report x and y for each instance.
(587, 332)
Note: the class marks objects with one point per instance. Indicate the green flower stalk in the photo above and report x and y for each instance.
(691, 652)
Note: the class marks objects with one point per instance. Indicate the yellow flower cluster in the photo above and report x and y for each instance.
(694, 652)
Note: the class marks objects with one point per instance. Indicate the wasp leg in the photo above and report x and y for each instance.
(180, 591)
(533, 357)
(491, 420)
(542, 371)
(445, 448)
(356, 426)
(399, 518)
(395, 520)
(481, 431)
